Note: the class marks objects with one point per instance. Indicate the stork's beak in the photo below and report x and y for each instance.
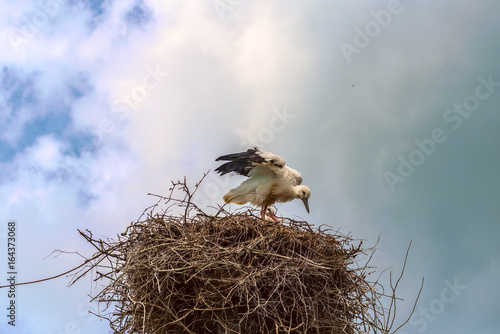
(274, 218)
(306, 204)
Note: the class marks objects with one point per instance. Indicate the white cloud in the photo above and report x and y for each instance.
(46, 153)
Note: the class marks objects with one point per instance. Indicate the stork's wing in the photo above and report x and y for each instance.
(293, 176)
(244, 162)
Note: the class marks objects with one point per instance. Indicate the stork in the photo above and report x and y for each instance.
(269, 180)
(270, 215)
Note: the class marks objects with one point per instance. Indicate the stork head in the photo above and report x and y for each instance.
(271, 214)
(303, 192)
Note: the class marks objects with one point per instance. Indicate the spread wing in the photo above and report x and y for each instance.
(244, 162)
(294, 177)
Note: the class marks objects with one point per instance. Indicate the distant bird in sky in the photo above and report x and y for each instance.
(269, 180)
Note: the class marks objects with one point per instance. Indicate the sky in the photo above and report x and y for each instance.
(389, 109)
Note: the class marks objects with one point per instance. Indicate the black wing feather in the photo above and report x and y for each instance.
(241, 163)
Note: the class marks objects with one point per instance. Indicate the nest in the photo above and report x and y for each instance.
(190, 272)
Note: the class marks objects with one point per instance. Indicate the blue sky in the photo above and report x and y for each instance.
(388, 108)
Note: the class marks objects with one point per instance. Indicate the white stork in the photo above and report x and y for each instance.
(270, 215)
(270, 181)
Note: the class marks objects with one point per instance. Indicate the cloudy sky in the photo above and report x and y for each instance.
(390, 109)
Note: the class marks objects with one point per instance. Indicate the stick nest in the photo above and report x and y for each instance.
(190, 272)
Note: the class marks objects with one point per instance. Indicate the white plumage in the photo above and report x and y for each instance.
(269, 182)
(271, 215)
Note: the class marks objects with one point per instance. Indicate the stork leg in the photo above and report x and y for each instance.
(263, 212)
